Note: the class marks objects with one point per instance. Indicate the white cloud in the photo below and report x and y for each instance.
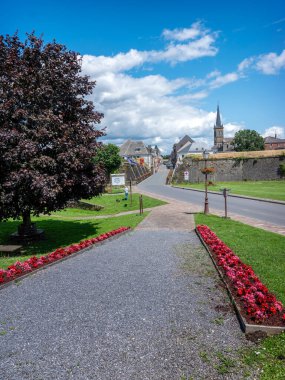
(271, 63)
(275, 130)
(221, 80)
(245, 64)
(174, 53)
(93, 65)
(184, 34)
(230, 129)
(147, 109)
(201, 45)
(213, 74)
(268, 64)
(153, 108)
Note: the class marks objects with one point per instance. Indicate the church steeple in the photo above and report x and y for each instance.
(218, 131)
(218, 119)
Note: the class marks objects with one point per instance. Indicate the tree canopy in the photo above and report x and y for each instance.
(47, 128)
(108, 156)
(248, 140)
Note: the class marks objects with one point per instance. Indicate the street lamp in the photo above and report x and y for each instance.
(206, 207)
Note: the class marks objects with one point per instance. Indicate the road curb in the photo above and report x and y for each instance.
(232, 195)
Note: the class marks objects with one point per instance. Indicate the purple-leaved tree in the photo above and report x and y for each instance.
(47, 130)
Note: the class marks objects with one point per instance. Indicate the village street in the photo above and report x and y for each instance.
(268, 215)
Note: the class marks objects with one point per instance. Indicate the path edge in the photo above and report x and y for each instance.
(21, 277)
(246, 327)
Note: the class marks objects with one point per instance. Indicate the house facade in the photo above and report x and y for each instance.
(180, 150)
(273, 143)
(140, 153)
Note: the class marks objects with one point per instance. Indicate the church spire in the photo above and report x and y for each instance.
(218, 132)
(218, 119)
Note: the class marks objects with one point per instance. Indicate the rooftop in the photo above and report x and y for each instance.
(133, 148)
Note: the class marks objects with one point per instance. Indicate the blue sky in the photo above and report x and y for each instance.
(162, 66)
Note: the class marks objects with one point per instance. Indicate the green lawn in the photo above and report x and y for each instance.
(61, 233)
(264, 251)
(260, 189)
(68, 226)
(113, 204)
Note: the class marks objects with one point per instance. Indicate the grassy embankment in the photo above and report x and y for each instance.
(264, 251)
(259, 189)
(70, 226)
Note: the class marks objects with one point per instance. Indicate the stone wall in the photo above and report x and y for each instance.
(233, 169)
(135, 173)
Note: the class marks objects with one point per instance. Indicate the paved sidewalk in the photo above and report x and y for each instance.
(196, 208)
(175, 216)
(145, 306)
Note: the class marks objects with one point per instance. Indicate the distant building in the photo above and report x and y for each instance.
(197, 148)
(180, 149)
(142, 154)
(272, 143)
(221, 143)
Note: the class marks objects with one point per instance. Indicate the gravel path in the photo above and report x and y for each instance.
(147, 305)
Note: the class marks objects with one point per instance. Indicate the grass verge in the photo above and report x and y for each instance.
(259, 189)
(264, 251)
(113, 204)
(61, 233)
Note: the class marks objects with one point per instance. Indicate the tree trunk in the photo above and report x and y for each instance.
(27, 227)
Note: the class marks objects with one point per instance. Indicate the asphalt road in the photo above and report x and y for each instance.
(263, 211)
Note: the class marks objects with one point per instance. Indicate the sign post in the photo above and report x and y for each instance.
(186, 176)
(131, 193)
(141, 204)
(118, 179)
(225, 194)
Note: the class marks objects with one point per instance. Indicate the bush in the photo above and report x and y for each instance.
(282, 170)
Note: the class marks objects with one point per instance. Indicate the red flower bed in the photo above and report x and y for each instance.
(256, 302)
(20, 268)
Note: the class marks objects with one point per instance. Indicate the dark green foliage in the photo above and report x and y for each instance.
(47, 134)
(248, 140)
(108, 156)
(282, 170)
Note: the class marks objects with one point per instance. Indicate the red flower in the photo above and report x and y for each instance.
(20, 268)
(258, 302)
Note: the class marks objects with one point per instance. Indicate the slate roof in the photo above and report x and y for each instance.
(185, 147)
(133, 148)
(182, 142)
(271, 140)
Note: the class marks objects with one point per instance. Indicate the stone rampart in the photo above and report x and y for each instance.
(232, 169)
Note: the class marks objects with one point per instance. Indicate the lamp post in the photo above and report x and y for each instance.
(206, 206)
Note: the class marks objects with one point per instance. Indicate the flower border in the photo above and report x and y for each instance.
(257, 304)
(20, 269)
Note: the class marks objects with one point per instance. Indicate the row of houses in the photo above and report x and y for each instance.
(138, 152)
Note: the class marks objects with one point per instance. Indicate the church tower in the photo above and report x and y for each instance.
(218, 132)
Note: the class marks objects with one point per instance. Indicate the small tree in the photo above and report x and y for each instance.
(108, 156)
(47, 134)
(248, 140)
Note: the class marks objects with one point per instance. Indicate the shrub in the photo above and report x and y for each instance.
(282, 170)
